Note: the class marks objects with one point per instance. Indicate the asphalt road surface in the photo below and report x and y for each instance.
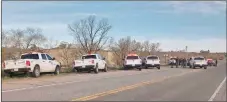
(166, 84)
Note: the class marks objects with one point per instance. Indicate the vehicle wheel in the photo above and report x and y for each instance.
(158, 67)
(146, 67)
(36, 72)
(201, 67)
(57, 70)
(105, 69)
(96, 70)
(205, 67)
(190, 66)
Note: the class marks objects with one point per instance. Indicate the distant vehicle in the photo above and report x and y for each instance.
(34, 63)
(132, 61)
(90, 62)
(152, 61)
(172, 61)
(211, 62)
(198, 62)
(221, 58)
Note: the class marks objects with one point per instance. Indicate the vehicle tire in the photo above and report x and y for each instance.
(201, 67)
(96, 70)
(105, 69)
(190, 66)
(205, 67)
(57, 70)
(158, 67)
(146, 67)
(36, 72)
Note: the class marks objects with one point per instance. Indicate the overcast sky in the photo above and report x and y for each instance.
(198, 25)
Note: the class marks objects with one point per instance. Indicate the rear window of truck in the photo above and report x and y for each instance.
(199, 59)
(30, 56)
(132, 57)
(152, 57)
(89, 57)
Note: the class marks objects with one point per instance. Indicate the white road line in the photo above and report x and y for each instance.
(40, 86)
(217, 90)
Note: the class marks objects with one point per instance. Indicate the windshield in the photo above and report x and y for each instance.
(132, 57)
(30, 56)
(199, 58)
(152, 57)
(89, 57)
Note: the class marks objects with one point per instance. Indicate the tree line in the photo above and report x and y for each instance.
(89, 34)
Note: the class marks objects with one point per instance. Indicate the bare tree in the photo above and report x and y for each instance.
(151, 48)
(5, 38)
(124, 46)
(50, 44)
(66, 54)
(90, 34)
(33, 37)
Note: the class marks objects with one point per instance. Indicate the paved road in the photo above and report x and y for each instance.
(172, 84)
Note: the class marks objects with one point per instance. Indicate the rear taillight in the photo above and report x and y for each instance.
(28, 63)
(3, 65)
(92, 61)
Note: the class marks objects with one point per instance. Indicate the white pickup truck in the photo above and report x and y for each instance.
(34, 63)
(198, 62)
(152, 61)
(90, 62)
(132, 61)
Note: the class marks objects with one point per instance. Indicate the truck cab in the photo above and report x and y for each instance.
(132, 61)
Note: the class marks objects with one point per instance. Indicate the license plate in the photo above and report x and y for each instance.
(133, 65)
(15, 69)
(83, 66)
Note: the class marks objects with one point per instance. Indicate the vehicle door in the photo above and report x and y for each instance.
(44, 67)
(100, 62)
(103, 61)
(51, 63)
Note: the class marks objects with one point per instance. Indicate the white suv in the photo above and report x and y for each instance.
(152, 61)
(132, 61)
(198, 62)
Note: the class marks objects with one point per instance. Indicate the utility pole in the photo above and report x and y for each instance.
(186, 49)
(165, 55)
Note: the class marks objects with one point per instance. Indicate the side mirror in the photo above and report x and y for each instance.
(103, 58)
(53, 58)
